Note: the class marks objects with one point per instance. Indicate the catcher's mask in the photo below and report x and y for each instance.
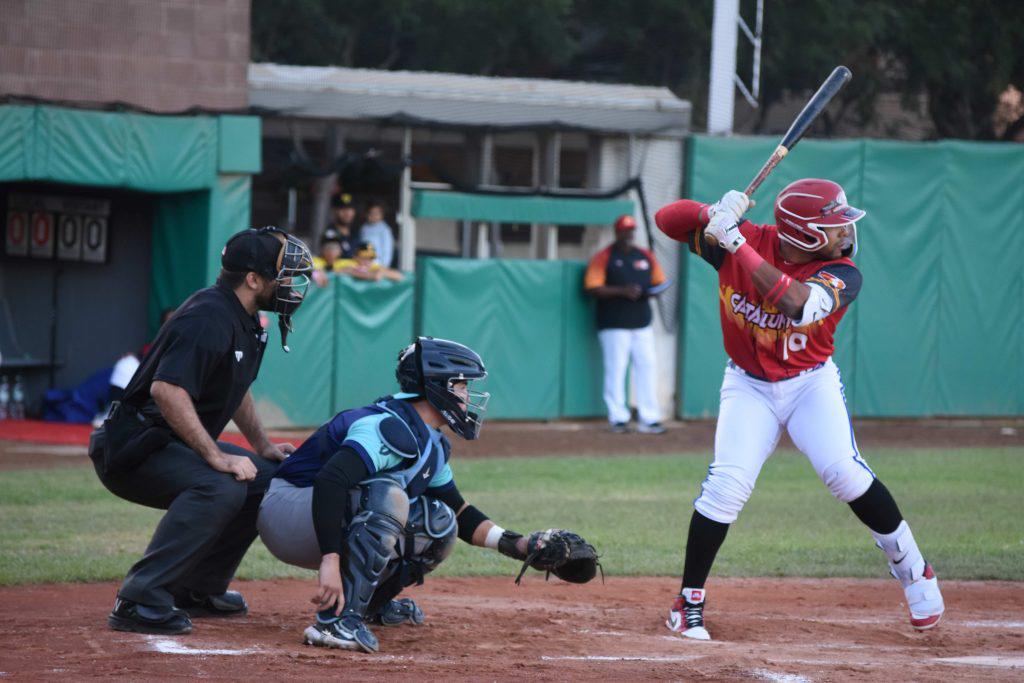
(276, 256)
(432, 367)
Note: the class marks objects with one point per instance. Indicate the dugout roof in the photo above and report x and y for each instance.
(454, 100)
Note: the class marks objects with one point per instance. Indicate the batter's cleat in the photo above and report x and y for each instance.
(619, 428)
(227, 604)
(346, 633)
(135, 618)
(401, 611)
(687, 615)
(925, 601)
(650, 428)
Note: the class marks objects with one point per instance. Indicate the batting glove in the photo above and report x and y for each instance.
(733, 203)
(726, 230)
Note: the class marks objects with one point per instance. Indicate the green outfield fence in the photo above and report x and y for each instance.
(528, 319)
(938, 328)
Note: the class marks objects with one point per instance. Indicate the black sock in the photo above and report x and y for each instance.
(702, 544)
(877, 509)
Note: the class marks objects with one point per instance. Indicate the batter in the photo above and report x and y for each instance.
(782, 290)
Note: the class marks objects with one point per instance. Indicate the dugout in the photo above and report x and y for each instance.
(517, 179)
(109, 218)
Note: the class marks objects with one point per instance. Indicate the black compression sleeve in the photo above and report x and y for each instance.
(702, 543)
(469, 520)
(450, 497)
(342, 472)
(877, 509)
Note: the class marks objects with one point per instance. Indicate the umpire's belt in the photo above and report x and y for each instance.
(126, 438)
(773, 381)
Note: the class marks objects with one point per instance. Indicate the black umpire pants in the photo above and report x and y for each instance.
(209, 525)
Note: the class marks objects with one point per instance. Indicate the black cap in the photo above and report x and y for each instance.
(330, 235)
(342, 201)
(258, 251)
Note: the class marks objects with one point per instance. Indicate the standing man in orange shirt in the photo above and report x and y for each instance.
(623, 277)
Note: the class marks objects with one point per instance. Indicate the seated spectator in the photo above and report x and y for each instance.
(366, 267)
(378, 233)
(330, 258)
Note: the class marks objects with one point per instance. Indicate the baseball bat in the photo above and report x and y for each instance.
(836, 80)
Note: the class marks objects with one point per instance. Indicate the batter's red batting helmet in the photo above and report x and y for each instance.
(806, 206)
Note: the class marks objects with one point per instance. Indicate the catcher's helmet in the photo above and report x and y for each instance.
(431, 367)
(806, 206)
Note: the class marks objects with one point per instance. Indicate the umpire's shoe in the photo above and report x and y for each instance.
(227, 604)
(136, 618)
(397, 612)
(346, 633)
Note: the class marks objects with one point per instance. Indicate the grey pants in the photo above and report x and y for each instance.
(285, 524)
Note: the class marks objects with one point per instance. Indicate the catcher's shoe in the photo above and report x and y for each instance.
(346, 633)
(136, 618)
(227, 604)
(401, 611)
(687, 615)
(619, 428)
(924, 600)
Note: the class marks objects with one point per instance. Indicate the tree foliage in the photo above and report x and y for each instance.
(958, 56)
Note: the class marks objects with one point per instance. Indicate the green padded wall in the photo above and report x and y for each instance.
(937, 328)
(295, 389)
(582, 365)
(344, 347)
(510, 313)
(374, 321)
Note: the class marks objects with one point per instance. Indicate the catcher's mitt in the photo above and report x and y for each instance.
(562, 553)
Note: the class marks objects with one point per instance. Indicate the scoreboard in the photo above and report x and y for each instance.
(50, 226)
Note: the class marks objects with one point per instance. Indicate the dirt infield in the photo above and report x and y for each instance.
(510, 439)
(764, 629)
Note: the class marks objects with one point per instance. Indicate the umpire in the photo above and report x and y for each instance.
(158, 447)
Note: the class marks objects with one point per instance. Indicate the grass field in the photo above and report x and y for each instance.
(966, 508)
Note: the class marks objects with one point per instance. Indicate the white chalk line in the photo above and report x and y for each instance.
(894, 621)
(619, 658)
(172, 647)
(1001, 661)
(766, 675)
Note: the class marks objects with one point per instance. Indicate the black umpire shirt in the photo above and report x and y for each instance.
(211, 348)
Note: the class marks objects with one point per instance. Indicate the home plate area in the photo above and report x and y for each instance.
(764, 629)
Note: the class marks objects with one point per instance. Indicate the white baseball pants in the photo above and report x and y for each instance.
(752, 414)
(618, 346)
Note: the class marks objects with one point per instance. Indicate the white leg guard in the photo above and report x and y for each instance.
(920, 586)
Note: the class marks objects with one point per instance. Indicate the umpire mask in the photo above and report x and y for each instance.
(432, 367)
(278, 257)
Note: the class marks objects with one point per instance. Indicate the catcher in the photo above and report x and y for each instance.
(370, 500)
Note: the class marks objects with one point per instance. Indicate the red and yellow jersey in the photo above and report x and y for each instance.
(758, 337)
